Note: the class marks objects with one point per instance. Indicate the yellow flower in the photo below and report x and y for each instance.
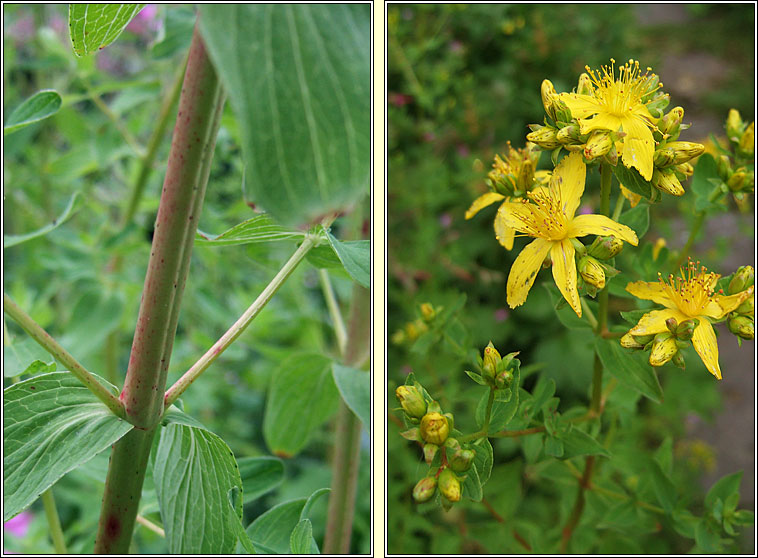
(685, 298)
(550, 220)
(617, 104)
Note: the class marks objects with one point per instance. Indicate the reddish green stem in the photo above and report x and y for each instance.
(181, 201)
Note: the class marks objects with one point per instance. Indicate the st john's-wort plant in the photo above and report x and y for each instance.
(601, 481)
(297, 78)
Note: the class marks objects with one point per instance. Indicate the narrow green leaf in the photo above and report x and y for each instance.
(260, 228)
(174, 415)
(39, 106)
(51, 425)
(723, 488)
(13, 239)
(483, 459)
(301, 397)
(354, 387)
(632, 180)
(629, 368)
(233, 500)
(633, 316)
(260, 475)
(298, 79)
(664, 489)
(26, 357)
(637, 218)
(305, 514)
(270, 532)
(92, 27)
(706, 172)
(302, 537)
(553, 447)
(355, 257)
(472, 486)
(565, 314)
(577, 442)
(194, 471)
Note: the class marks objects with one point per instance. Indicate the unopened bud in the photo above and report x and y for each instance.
(605, 247)
(742, 326)
(663, 350)
(434, 428)
(664, 157)
(685, 169)
(452, 444)
(568, 135)
(628, 341)
(671, 325)
(747, 307)
(685, 330)
(686, 150)
(724, 167)
(612, 157)
(738, 179)
(462, 460)
(411, 401)
(548, 94)
(562, 112)
(584, 87)
(598, 144)
(425, 489)
(734, 125)
(545, 137)
(644, 339)
(503, 379)
(742, 279)
(671, 122)
(666, 181)
(678, 360)
(490, 360)
(592, 272)
(525, 178)
(746, 147)
(427, 311)
(430, 450)
(450, 486)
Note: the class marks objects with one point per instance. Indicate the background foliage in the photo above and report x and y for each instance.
(67, 282)
(463, 79)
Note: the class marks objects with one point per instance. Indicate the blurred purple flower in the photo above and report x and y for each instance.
(456, 46)
(429, 136)
(446, 220)
(407, 369)
(501, 314)
(22, 29)
(145, 21)
(462, 149)
(19, 525)
(399, 99)
(585, 209)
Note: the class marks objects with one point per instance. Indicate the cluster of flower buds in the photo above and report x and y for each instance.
(494, 371)
(592, 263)
(515, 174)
(735, 163)
(414, 329)
(671, 158)
(666, 346)
(741, 322)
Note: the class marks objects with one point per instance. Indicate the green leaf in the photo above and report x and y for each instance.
(174, 415)
(194, 471)
(502, 412)
(706, 172)
(302, 537)
(260, 475)
(298, 79)
(633, 316)
(553, 447)
(472, 485)
(97, 314)
(476, 377)
(310, 547)
(708, 541)
(664, 489)
(355, 257)
(353, 385)
(51, 425)
(723, 488)
(270, 532)
(13, 239)
(301, 397)
(26, 357)
(629, 368)
(577, 442)
(234, 503)
(566, 315)
(260, 228)
(39, 106)
(632, 180)
(92, 27)
(483, 459)
(637, 218)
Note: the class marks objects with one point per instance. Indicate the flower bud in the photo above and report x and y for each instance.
(525, 178)
(663, 350)
(562, 112)
(678, 360)
(685, 150)
(666, 181)
(568, 134)
(434, 428)
(742, 326)
(746, 147)
(584, 87)
(462, 460)
(664, 157)
(671, 122)
(411, 401)
(685, 330)
(686, 169)
(548, 94)
(612, 157)
(452, 444)
(734, 125)
(741, 279)
(545, 137)
(605, 247)
(747, 307)
(490, 360)
(427, 311)
(738, 179)
(724, 167)
(592, 272)
(644, 339)
(598, 144)
(425, 489)
(671, 325)
(450, 486)
(504, 379)
(430, 450)
(628, 341)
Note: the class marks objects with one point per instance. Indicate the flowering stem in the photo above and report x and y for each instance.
(61, 355)
(53, 521)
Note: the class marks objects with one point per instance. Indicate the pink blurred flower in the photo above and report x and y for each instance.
(145, 21)
(446, 220)
(456, 46)
(585, 209)
(429, 136)
(501, 314)
(399, 99)
(19, 525)
(462, 149)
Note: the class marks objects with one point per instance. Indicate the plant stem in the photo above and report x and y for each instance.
(146, 164)
(60, 354)
(488, 411)
(181, 199)
(145, 522)
(176, 390)
(588, 312)
(619, 207)
(53, 521)
(347, 448)
(334, 311)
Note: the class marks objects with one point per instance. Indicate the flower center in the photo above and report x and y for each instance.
(622, 95)
(691, 292)
(546, 218)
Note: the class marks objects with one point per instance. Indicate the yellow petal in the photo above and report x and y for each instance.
(564, 273)
(583, 225)
(503, 232)
(580, 106)
(518, 216)
(524, 271)
(650, 291)
(568, 182)
(481, 202)
(655, 321)
(721, 305)
(633, 198)
(704, 341)
(601, 121)
(639, 147)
